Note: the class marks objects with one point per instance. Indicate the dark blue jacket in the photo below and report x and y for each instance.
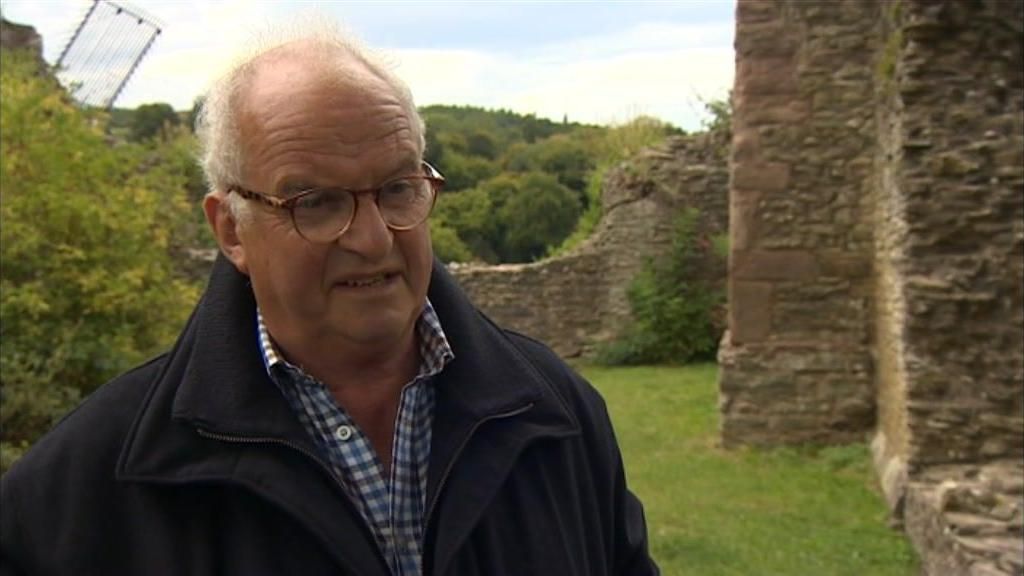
(193, 464)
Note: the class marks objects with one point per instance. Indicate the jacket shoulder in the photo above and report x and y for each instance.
(91, 433)
(584, 401)
(629, 545)
(71, 468)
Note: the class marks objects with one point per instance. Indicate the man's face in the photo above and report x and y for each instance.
(299, 131)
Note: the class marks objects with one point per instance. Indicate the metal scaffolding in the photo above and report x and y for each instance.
(104, 51)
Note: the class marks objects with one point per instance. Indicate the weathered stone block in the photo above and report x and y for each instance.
(844, 265)
(765, 38)
(749, 11)
(775, 265)
(761, 176)
(744, 220)
(784, 111)
(766, 75)
(750, 311)
(745, 146)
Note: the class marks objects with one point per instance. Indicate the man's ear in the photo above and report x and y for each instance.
(225, 229)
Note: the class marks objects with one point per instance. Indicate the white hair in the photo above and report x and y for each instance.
(217, 126)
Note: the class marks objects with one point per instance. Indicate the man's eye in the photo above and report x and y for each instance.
(399, 188)
(321, 199)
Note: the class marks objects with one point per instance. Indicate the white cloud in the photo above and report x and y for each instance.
(596, 80)
(655, 68)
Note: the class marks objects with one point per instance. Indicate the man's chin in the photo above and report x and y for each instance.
(374, 327)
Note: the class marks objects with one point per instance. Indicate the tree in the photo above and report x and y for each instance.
(152, 120)
(193, 113)
(469, 215)
(462, 172)
(569, 161)
(434, 150)
(87, 287)
(448, 247)
(541, 213)
(482, 144)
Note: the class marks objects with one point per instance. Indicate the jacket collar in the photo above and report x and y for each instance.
(214, 382)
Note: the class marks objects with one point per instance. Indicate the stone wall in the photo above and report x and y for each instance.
(796, 360)
(958, 179)
(577, 301)
(877, 266)
(950, 444)
(19, 36)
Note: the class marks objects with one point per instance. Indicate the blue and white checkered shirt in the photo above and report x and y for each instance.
(393, 506)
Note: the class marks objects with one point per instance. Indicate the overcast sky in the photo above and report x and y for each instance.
(596, 62)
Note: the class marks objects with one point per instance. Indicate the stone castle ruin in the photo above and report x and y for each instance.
(874, 199)
(876, 271)
(577, 301)
(877, 255)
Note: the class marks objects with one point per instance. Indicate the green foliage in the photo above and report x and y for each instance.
(562, 155)
(626, 140)
(510, 217)
(673, 310)
(542, 212)
(720, 245)
(609, 148)
(193, 113)
(488, 157)
(468, 215)
(719, 111)
(173, 157)
(807, 511)
(588, 220)
(447, 244)
(153, 120)
(87, 286)
(892, 31)
(462, 172)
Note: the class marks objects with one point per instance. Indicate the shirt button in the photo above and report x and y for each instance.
(343, 432)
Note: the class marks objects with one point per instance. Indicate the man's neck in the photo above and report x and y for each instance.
(366, 381)
(348, 368)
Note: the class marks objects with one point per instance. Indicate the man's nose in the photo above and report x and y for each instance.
(367, 235)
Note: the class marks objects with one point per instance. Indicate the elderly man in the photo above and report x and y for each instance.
(335, 405)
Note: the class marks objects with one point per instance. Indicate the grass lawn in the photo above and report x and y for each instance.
(746, 512)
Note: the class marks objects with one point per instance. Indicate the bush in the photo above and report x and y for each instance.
(674, 312)
(87, 286)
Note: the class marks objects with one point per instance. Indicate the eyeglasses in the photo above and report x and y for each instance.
(324, 214)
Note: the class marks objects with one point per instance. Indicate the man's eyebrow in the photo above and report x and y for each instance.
(409, 166)
(293, 186)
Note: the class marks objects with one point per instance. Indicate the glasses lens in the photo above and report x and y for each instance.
(406, 202)
(321, 213)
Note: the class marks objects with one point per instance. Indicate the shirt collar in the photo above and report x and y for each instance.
(435, 352)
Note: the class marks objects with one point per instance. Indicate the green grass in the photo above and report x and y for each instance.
(799, 511)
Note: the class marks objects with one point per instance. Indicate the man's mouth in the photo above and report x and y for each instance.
(368, 282)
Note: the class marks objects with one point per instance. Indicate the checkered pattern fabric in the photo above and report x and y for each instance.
(393, 505)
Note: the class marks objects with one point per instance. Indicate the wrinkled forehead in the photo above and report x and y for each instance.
(289, 79)
(311, 116)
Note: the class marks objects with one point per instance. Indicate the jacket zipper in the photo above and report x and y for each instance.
(265, 440)
(326, 468)
(455, 456)
(297, 448)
